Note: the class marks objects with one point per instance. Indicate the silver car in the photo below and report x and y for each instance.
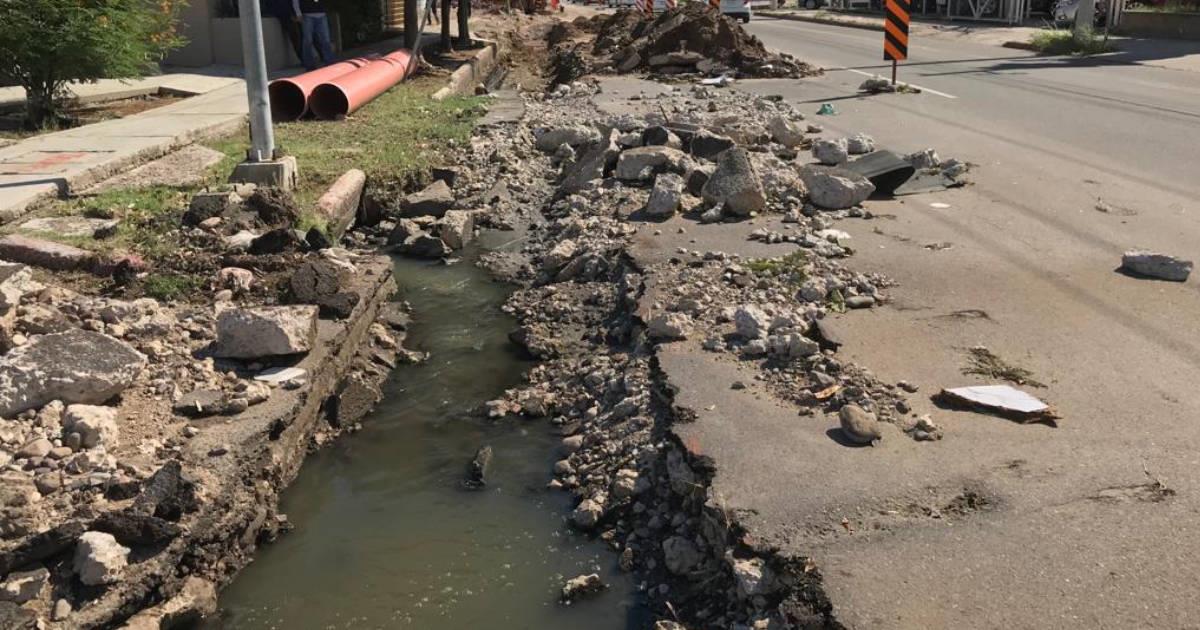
(1064, 12)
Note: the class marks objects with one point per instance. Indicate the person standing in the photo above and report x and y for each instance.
(282, 11)
(314, 25)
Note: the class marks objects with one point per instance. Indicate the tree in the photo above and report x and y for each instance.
(45, 44)
(446, 25)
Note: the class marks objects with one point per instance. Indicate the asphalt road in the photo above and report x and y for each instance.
(1075, 162)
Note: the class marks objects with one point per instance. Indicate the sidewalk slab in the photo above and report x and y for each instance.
(58, 163)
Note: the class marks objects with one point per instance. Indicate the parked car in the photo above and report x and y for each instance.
(811, 4)
(1064, 12)
(737, 9)
(617, 4)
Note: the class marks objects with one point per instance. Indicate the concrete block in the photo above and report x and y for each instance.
(280, 173)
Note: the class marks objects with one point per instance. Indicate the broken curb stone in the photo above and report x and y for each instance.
(251, 333)
(434, 200)
(665, 196)
(831, 152)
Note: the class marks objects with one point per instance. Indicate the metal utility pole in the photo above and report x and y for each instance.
(1085, 18)
(464, 31)
(412, 28)
(254, 60)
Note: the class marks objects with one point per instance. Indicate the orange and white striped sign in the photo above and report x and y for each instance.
(895, 30)
(670, 4)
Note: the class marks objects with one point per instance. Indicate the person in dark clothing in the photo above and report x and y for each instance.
(314, 28)
(282, 10)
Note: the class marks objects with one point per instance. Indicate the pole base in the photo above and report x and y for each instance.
(278, 173)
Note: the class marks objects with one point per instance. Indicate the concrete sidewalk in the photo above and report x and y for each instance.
(58, 163)
(180, 83)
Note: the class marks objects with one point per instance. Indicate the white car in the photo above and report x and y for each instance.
(617, 4)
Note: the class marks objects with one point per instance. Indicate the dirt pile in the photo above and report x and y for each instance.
(691, 39)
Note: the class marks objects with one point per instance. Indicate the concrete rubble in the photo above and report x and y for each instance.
(139, 434)
(607, 280)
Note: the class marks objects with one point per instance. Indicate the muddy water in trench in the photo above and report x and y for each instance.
(385, 534)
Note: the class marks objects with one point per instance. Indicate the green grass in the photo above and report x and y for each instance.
(789, 268)
(394, 139)
(1063, 42)
(168, 287)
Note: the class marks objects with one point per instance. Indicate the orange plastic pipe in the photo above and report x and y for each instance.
(337, 97)
(289, 96)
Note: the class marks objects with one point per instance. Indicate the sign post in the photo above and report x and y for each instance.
(895, 33)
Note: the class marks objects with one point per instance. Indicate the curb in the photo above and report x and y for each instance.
(1019, 45)
(463, 80)
(818, 20)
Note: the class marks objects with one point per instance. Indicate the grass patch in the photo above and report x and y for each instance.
(1063, 42)
(789, 268)
(983, 362)
(168, 287)
(394, 139)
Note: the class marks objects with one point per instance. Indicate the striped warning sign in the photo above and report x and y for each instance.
(670, 4)
(895, 30)
(648, 7)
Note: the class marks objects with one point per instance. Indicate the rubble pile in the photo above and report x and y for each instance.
(580, 186)
(692, 39)
(129, 424)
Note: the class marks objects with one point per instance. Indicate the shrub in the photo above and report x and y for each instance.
(45, 44)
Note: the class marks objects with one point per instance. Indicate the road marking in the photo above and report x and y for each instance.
(923, 89)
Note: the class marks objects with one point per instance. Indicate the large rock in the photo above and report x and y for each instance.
(423, 245)
(641, 163)
(268, 331)
(785, 132)
(835, 188)
(751, 322)
(95, 425)
(859, 144)
(831, 152)
(99, 558)
(320, 282)
(681, 555)
(45, 254)
(15, 279)
(708, 145)
(735, 184)
(1156, 265)
(434, 200)
(665, 197)
(76, 366)
(208, 204)
(23, 586)
(591, 165)
(669, 327)
(548, 140)
(858, 425)
(456, 228)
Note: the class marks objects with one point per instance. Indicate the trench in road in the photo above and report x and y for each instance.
(385, 534)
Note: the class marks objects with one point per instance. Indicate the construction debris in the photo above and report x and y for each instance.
(1155, 265)
(1001, 400)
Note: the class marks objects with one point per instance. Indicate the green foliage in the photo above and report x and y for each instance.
(166, 287)
(1063, 42)
(788, 268)
(45, 44)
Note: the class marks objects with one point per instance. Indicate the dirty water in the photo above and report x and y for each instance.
(385, 535)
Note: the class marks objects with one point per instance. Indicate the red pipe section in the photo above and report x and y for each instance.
(337, 97)
(289, 96)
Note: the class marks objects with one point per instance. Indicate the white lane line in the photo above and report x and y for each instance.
(869, 74)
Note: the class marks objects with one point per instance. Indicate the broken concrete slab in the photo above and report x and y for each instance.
(548, 140)
(665, 196)
(456, 228)
(268, 331)
(76, 366)
(835, 188)
(45, 254)
(75, 226)
(831, 152)
(99, 558)
(735, 184)
(434, 200)
(591, 166)
(642, 162)
(1156, 265)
